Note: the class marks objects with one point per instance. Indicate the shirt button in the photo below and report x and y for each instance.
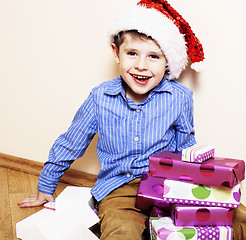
(136, 139)
(128, 174)
(137, 110)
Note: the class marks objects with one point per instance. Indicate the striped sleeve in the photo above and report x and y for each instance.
(185, 133)
(69, 146)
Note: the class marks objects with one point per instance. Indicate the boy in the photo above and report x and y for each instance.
(140, 113)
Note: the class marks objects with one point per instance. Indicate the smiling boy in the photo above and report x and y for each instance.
(142, 64)
(140, 113)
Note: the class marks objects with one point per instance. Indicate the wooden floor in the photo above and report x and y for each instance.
(15, 186)
(18, 180)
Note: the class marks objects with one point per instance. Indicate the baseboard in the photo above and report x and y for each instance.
(71, 176)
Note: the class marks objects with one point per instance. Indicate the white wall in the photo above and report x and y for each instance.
(52, 52)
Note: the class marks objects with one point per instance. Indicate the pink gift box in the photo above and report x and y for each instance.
(187, 215)
(150, 193)
(198, 194)
(159, 212)
(164, 229)
(217, 171)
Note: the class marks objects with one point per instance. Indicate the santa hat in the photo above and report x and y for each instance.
(167, 27)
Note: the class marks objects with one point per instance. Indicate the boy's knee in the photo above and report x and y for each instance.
(239, 223)
(123, 231)
(122, 224)
(240, 214)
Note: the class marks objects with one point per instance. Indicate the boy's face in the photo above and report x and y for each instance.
(142, 65)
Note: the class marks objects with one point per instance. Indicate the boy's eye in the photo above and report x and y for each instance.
(131, 53)
(154, 56)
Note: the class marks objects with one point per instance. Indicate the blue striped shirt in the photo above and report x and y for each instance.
(128, 133)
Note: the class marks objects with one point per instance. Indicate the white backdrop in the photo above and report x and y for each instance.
(52, 52)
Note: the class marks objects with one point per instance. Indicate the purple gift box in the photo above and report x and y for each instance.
(217, 171)
(187, 215)
(150, 193)
(164, 229)
(159, 212)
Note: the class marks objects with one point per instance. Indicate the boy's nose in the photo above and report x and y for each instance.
(141, 64)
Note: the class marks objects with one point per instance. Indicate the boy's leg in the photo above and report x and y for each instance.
(119, 218)
(239, 223)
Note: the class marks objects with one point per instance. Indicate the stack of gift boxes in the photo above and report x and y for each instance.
(191, 195)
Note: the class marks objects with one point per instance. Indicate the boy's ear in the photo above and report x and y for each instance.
(115, 52)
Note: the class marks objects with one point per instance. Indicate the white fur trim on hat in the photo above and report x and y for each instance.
(198, 66)
(156, 25)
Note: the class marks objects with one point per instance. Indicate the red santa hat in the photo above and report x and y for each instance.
(167, 27)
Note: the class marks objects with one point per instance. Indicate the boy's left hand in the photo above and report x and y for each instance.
(35, 200)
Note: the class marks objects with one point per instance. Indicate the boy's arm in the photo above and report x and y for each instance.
(185, 133)
(69, 146)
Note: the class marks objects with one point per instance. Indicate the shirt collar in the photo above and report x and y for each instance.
(164, 86)
(115, 88)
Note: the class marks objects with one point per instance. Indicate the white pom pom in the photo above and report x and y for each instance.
(198, 66)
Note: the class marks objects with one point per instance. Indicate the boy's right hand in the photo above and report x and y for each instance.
(35, 200)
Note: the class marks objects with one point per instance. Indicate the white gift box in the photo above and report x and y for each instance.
(71, 219)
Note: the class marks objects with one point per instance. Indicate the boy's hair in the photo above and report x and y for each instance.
(121, 36)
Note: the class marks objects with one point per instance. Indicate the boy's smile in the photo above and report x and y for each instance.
(142, 66)
(140, 79)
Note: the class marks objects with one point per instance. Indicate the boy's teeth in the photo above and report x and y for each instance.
(141, 77)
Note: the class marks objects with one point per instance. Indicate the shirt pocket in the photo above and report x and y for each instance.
(113, 134)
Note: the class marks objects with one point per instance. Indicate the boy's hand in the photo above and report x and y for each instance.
(35, 200)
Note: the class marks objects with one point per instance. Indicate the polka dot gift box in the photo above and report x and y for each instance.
(164, 229)
(210, 188)
(216, 171)
(194, 194)
(188, 215)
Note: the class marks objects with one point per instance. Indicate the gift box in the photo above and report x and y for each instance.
(194, 194)
(164, 229)
(216, 171)
(159, 212)
(188, 215)
(198, 153)
(150, 193)
(70, 218)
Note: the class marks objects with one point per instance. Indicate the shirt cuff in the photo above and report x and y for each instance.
(46, 184)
